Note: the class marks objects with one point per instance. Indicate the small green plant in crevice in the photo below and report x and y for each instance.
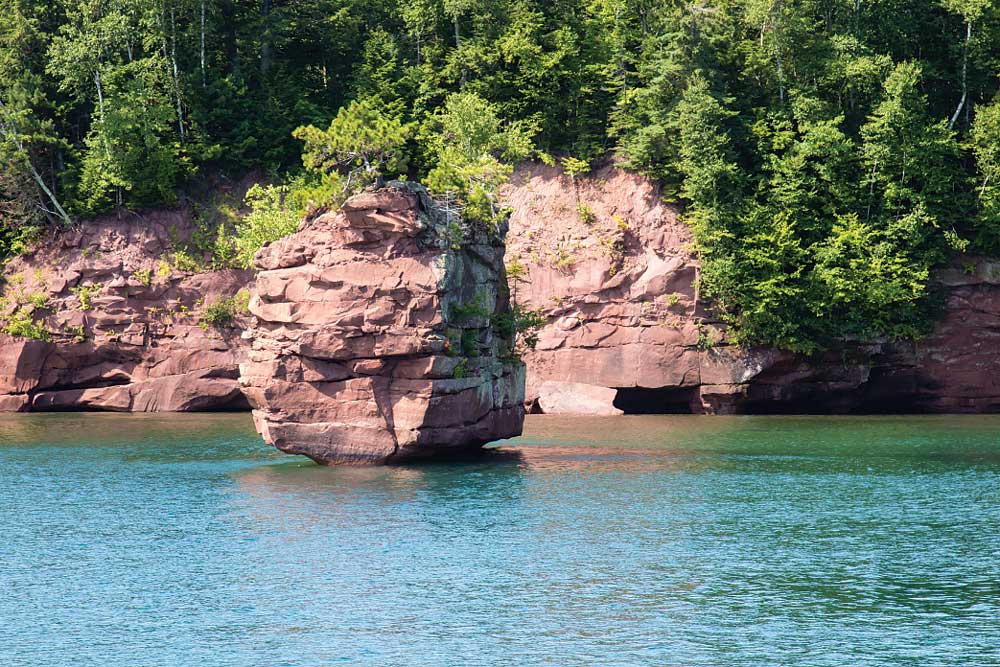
(22, 323)
(183, 260)
(585, 213)
(85, 294)
(38, 300)
(461, 370)
(470, 342)
(705, 339)
(454, 235)
(517, 274)
(520, 326)
(163, 269)
(453, 340)
(18, 309)
(614, 247)
(224, 311)
(143, 276)
(463, 312)
(561, 258)
(77, 332)
(574, 168)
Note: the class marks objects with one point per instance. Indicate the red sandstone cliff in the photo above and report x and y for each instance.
(123, 329)
(615, 277)
(610, 264)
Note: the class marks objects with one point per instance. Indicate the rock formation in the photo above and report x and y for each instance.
(383, 333)
(387, 324)
(115, 326)
(609, 263)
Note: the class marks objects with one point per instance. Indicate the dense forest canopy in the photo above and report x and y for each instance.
(829, 154)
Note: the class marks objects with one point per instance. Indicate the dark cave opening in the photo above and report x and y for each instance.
(659, 401)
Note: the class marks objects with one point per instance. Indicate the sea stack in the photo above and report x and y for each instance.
(382, 333)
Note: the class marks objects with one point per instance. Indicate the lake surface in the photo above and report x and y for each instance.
(139, 541)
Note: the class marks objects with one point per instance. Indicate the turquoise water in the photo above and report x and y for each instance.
(691, 541)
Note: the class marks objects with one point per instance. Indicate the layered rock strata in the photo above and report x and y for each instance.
(610, 265)
(108, 323)
(382, 333)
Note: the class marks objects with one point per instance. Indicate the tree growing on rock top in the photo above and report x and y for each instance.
(474, 151)
(362, 144)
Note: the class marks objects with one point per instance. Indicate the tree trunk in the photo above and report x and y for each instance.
(458, 42)
(227, 18)
(48, 193)
(203, 83)
(12, 133)
(177, 81)
(776, 32)
(265, 37)
(965, 71)
(100, 91)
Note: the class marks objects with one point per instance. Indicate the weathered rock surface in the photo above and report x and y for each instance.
(124, 328)
(379, 335)
(609, 263)
(560, 398)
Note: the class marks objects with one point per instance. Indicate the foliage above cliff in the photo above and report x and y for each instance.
(829, 154)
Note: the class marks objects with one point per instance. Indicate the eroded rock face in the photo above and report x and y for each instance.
(379, 335)
(125, 329)
(609, 263)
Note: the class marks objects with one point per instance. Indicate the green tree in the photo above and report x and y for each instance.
(986, 148)
(29, 141)
(474, 152)
(911, 171)
(363, 143)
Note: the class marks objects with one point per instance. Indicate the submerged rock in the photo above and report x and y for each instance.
(382, 333)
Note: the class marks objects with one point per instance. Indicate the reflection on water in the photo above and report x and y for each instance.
(680, 540)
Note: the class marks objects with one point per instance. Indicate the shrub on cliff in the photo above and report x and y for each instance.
(223, 312)
(832, 239)
(986, 147)
(272, 215)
